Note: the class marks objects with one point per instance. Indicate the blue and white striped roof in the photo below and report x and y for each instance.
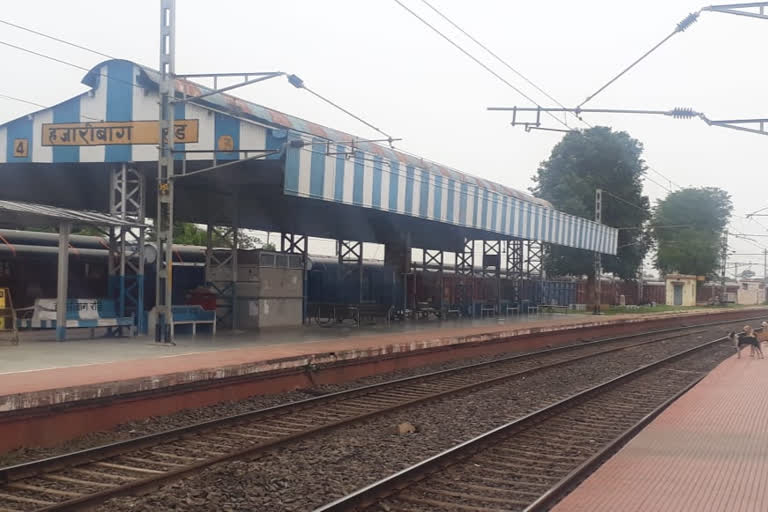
(375, 176)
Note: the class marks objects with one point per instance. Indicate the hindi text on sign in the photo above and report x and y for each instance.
(116, 132)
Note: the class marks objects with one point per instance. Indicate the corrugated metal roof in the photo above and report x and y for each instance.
(240, 107)
(16, 213)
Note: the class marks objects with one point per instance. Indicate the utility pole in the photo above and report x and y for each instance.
(164, 219)
(598, 265)
(723, 262)
(765, 275)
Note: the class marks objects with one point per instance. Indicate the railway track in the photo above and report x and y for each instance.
(88, 477)
(532, 462)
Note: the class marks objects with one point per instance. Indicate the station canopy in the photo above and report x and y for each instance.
(289, 174)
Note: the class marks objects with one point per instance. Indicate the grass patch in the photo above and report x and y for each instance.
(660, 308)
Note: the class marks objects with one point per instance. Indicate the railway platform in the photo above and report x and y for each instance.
(50, 391)
(707, 452)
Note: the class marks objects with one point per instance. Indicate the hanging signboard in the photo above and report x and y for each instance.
(116, 132)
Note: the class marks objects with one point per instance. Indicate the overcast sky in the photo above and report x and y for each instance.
(383, 64)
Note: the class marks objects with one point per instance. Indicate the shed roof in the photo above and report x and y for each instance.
(20, 214)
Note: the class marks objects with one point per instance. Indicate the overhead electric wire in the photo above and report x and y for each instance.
(53, 38)
(496, 56)
(28, 102)
(14, 98)
(478, 61)
(66, 63)
(687, 22)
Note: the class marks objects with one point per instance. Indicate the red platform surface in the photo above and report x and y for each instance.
(707, 452)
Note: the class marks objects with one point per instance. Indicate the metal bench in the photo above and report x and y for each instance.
(192, 315)
(81, 313)
(554, 308)
(489, 309)
(513, 308)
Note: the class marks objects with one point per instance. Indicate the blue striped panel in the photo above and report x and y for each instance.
(291, 176)
(484, 209)
(67, 112)
(119, 105)
(409, 176)
(89, 322)
(17, 130)
(424, 194)
(451, 199)
(463, 194)
(338, 186)
(317, 169)
(558, 238)
(520, 218)
(550, 225)
(582, 233)
(394, 183)
(529, 221)
(179, 112)
(357, 184)
(536, 222)
(228, 126)
(476, 195)
(438, 188)
(504, 206)
(275, 141)
(376, 195)
(601, 247)
(512, 228)
(494, 210)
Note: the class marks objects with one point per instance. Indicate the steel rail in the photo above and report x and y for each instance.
(46, 466)
(394, 484)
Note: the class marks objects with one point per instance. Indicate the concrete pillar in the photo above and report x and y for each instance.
(397, 253)
(62, 280)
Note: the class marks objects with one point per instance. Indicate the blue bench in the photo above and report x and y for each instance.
(192, 315)
(81, 313)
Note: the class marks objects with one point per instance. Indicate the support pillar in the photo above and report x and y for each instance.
(465, 281)
(515, 267)
(492, 266)
(126, 263)
(235, 248)
(351, 253)
(433, 261)
(397, 254)
(533, 269)
(62, 281)
(292, 243)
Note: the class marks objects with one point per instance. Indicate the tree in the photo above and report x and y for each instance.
(580, 163)
(187, 233)
(687, 226)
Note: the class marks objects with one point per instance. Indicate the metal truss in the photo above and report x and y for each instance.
(465, 260)
(533, 261)
(491, 258)
(294, 244)
(432, 260)
(515, 266)
(221, 267)
(127, 201)
(351, 253)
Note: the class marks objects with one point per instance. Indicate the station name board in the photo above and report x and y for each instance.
(116, 132)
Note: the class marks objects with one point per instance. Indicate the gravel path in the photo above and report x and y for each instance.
(322, 468)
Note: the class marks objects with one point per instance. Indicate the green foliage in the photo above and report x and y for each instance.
(187, 233)
(581, 163)
(693, 248)
(269, 246)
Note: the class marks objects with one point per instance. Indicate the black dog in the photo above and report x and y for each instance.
(743, 340)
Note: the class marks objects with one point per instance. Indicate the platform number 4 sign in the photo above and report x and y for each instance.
(21, 148)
